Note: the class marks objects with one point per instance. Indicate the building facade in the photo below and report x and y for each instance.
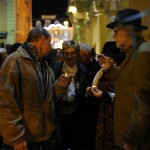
(88, 20)
(90, 17)
(16, 20)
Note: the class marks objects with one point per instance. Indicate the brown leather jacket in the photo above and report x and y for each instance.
(25, 112)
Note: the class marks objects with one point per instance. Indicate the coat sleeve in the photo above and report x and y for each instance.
(12, 129)
(140, 118)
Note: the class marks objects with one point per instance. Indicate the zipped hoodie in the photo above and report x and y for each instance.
(25, 112)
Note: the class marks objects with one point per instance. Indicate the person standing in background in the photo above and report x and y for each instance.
(3, 55)
(102, 91)
(12, 48)
(54, 56)
(87, 58)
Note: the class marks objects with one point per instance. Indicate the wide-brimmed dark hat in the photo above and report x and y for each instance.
(110, 50)
(128, 16)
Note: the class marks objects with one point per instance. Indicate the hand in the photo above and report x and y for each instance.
(21, 146)
(64, 80)
(96, 92)
(105, 62)
(88, 91)
(128, 146)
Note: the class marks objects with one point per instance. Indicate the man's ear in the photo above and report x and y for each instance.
(42, 39)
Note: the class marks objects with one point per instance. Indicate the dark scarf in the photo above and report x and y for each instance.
(31, 50)
(39, 63)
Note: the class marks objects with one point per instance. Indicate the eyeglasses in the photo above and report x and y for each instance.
(116, 31)
(98, 55)
(122, 28)
(69, 53)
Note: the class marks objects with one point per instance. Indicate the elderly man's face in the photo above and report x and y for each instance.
(85, 56)
(122, 38)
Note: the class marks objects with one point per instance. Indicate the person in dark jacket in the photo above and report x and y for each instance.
(3, 55)
(106, 97)
(13, 48)
(70, 109)
(28, 91)
(53, 57)
(88, 59)
(132, 81)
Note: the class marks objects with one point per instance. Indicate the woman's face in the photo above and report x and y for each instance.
(70, 56)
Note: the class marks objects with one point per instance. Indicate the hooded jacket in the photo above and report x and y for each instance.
(26, 113)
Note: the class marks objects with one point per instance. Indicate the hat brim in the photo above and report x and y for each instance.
(112, 25)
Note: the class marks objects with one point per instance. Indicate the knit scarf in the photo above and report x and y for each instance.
(71, 89)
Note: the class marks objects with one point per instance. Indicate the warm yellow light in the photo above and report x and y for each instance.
(66, 23)
(72, 9)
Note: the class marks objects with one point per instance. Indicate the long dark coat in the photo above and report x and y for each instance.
(132, 104)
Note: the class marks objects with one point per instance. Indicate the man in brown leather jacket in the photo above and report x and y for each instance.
(28, 91)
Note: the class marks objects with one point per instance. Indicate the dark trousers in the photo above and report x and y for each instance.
(1, 143)
(70, 132)
(119, 148)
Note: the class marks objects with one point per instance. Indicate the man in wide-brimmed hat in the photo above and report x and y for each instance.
(132, 82)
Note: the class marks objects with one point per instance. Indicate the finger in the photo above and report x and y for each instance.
(93, 90)
(88, 88)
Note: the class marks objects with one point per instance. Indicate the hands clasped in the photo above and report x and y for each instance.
(93, 91)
